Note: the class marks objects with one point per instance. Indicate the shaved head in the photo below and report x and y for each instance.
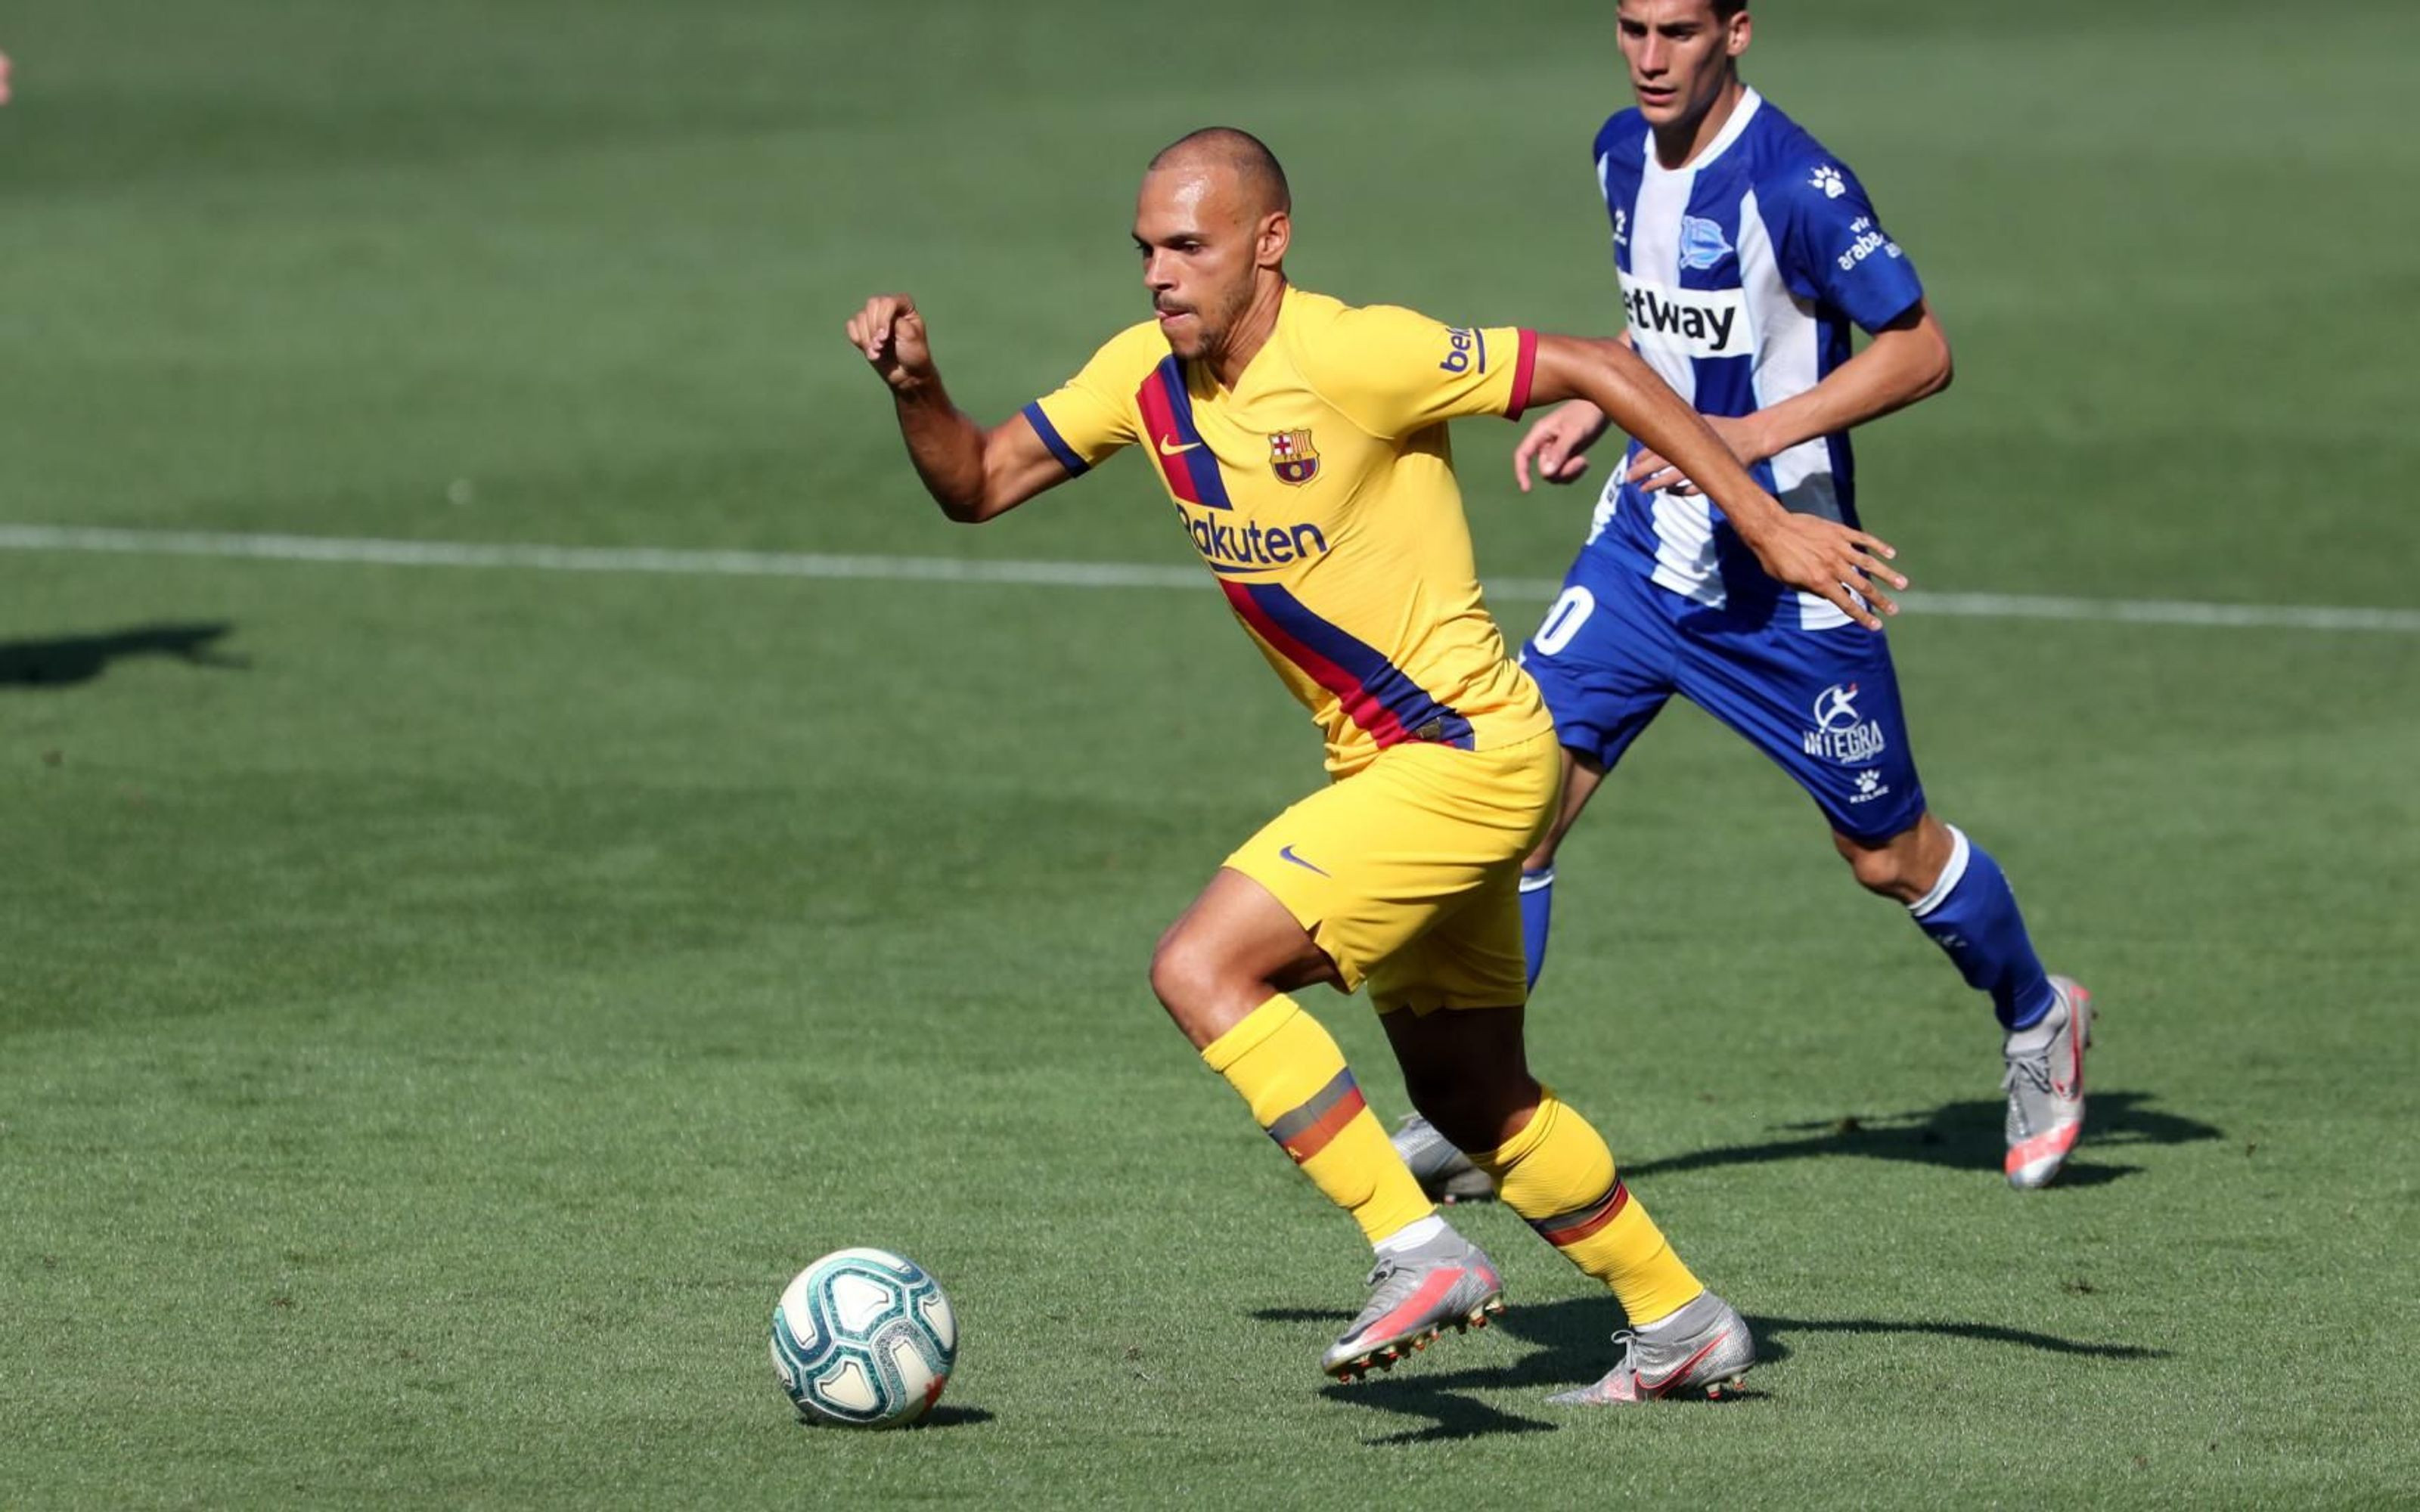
(1240, 153)
(1213, 220)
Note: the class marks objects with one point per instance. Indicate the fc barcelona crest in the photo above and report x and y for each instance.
(1292, 456)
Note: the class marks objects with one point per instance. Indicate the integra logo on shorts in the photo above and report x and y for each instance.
(1230, 547)
(1841, 733)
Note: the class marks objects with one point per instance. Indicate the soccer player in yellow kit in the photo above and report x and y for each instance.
(1303, 444)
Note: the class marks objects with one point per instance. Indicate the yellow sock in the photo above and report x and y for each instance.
(1558, 1173)
(1293, 1077)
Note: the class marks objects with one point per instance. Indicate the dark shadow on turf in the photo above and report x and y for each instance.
(1966, 1135)
(939, 1418)
(1765, 1328)
(72, 659)
(1574, 1345)
(1452, 1417)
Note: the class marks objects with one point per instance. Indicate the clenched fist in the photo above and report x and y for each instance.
(891, 335)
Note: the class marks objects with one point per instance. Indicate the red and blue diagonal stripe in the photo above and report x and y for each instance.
(1192, 473)
(1376, 694)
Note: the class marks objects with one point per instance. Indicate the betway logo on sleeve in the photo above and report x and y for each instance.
(1694, 322)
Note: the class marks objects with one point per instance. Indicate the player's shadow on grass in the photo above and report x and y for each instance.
(1966, 1135)
(73, 659)
(1574, 1339)
(932, 1422)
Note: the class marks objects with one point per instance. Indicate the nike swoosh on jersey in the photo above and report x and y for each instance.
(1168, 446)
(1285, 853)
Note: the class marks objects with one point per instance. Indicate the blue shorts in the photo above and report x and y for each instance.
(1823, 705)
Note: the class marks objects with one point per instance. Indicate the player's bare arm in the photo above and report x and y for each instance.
(1907, 361)
(974, 475)
(1835, 561)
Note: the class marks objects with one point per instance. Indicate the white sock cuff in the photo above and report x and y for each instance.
(1951, 874)
(1411, 1236)
(1533, 881)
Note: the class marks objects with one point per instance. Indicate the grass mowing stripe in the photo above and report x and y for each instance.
(738, 563)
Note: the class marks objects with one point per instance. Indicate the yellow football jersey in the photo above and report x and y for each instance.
(1321, 492)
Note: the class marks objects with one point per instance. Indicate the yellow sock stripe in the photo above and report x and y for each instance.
(1304, 1131)
(1565, 1229)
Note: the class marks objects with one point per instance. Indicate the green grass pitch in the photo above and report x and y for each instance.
(441, 1007)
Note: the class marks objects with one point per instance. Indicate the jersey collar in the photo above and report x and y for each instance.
(1751, 102)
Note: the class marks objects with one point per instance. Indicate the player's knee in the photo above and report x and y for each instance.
(1887, 871)
(1192, 966)
(1181, 970)
(1875, 870)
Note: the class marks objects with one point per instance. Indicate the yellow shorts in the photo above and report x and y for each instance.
(1408, 873)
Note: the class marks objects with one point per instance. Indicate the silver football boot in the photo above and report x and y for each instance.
(1702, 1350)
(1447, 1283)
(2045, 1086)
(1445, 1173)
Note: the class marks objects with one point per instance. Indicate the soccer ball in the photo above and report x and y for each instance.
(865, 1338)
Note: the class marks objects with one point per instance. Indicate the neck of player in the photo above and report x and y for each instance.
(1252, 331)
(1678, 143)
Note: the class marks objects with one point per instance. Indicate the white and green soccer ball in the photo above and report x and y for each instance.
(865, 1338)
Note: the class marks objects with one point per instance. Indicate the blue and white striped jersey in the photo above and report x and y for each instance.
(1739, 275)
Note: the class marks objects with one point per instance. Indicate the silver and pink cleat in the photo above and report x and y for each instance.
(1702, 1351)
(2045, 1086)
(1447, 1283)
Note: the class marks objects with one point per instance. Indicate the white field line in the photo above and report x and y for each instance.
(535, 558)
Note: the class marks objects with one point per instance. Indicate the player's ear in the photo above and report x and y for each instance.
(1275, 236)
(1735, 38)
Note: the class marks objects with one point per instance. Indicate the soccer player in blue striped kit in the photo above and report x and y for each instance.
(1746, 252)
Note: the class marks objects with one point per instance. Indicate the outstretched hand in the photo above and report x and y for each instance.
(1559, 443)
(1833, 562)
(890, 334)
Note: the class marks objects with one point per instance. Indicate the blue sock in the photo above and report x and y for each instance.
(1537, 912)
(1972, 914)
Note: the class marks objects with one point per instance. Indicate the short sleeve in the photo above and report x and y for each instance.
(1395, 371)
(1092, 414)
(1835, 250)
